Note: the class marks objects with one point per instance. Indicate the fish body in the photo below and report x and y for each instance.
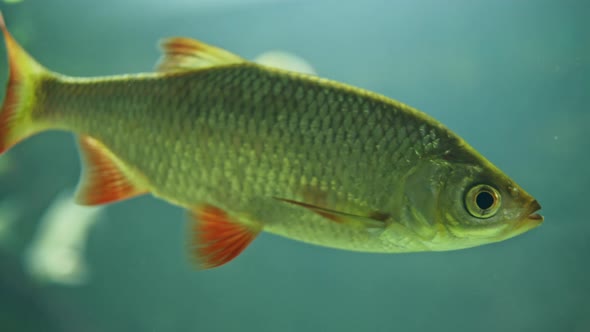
(249, 148)
(299, 142)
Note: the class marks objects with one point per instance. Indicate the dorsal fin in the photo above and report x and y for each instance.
(182, 53)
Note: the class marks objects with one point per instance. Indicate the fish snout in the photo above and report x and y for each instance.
(533, 215)
(533, 219)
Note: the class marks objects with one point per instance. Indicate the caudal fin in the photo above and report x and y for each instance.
(24, 73)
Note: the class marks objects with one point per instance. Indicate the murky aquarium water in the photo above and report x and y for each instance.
(226, 196)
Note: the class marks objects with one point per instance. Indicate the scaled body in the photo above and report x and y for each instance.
(250, 148)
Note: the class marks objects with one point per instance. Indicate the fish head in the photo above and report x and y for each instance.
(466, 203)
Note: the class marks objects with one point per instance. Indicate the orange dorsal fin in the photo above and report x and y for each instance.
(180, 54)
(103, 180)
(216, 239)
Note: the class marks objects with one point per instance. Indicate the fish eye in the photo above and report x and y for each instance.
(483, 201)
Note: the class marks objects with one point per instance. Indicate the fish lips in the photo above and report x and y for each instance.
(534, 216)
(533, 219)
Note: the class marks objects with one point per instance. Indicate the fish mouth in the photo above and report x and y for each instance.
(532, 220)
(535, 206)
(536, 216)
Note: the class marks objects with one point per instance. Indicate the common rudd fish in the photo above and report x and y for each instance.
(247, 148)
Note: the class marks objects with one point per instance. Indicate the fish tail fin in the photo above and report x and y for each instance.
(16, 113)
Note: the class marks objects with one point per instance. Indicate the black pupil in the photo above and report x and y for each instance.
(484, 200)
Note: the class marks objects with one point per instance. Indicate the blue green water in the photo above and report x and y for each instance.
(511, 77)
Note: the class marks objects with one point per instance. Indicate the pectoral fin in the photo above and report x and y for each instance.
(373, 221)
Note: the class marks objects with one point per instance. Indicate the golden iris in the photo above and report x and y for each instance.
(483, 201)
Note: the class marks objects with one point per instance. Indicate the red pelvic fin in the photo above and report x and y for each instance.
(103, 180)
(216, 239)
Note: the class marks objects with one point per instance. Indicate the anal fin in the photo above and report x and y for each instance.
(217, 239)
(103, 180)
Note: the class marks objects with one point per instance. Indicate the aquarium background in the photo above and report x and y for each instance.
(511, 77)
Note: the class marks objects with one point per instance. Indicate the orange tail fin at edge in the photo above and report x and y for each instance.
(16, 121)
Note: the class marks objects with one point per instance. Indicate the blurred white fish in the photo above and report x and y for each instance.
(285, 60)
(56, 254)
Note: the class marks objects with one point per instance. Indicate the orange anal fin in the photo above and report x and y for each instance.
(374, 221)
(216, 239)
(103, 181)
